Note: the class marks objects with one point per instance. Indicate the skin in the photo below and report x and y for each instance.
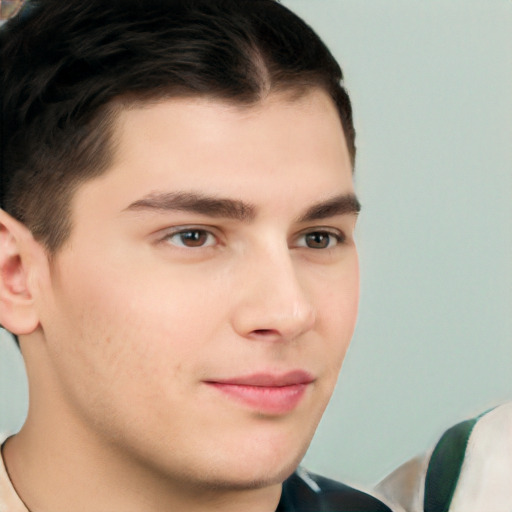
(124, 327)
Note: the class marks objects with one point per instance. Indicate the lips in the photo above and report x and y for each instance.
(267, 393)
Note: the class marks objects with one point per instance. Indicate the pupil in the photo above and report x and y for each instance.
(318, 240)
(194, 238)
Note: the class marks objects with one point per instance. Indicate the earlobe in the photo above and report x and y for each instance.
(17, 312)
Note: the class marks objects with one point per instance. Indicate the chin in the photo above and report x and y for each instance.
(251, 479)
(256, 469)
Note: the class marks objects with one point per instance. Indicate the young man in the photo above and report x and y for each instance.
(176, 255)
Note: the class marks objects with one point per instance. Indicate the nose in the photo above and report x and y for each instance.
(273, 302)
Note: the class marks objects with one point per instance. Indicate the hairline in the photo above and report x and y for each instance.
(108, 116)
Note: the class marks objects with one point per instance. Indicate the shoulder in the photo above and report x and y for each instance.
(469, 469)
(307, 492)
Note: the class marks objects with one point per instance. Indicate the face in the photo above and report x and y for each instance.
(199, 314)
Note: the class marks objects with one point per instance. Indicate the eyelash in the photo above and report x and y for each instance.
(338, 236)
(183, 231)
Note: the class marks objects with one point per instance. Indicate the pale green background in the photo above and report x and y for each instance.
(431, 83)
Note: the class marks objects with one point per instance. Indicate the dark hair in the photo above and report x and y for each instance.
(67, 66)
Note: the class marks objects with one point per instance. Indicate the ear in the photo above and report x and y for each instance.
(17, 312)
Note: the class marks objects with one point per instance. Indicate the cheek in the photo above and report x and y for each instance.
(338, 312)
(120, 347)
(134, 329)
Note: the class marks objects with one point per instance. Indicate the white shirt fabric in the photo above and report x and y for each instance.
(485, 480)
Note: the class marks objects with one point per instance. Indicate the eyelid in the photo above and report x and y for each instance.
(168, 233)
(337, 233)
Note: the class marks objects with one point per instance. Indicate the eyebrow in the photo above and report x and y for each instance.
(196, 203)
(235, 209)
(345, 204)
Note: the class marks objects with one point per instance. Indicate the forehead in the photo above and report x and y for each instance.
(207, 124)
(206, 145)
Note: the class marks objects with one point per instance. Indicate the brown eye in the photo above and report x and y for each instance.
(321, 240)
(318, 240)
(191, 238)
